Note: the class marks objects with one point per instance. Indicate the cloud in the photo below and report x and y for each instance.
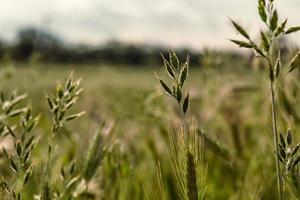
(172, 22)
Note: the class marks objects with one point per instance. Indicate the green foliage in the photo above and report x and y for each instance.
(186, 160)
(9, 111)
(95, 154)
(185, 153)
(122, 163)
(5, 191)
(178, 73)
(295, 62)
(23, 140)
(140, 134)
(269, 15)
(287, 153)
(62, 101)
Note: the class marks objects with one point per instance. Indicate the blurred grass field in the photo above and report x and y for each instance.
(232, 108)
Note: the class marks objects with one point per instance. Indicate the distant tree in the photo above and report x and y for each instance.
(3, 47)
(35, 45)
(32, 40)
(135, 55)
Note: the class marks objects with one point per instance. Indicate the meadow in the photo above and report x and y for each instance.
(225, 130)
(229, 107)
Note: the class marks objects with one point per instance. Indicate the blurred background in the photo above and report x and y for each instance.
(115, 46)
(129, 32)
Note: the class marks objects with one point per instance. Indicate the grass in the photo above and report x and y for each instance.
(121, 137)
(141, 116)
(267, 51)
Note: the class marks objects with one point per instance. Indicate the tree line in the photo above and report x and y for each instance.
(49, 48)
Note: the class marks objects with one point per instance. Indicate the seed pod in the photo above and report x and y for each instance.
(242, 44)
(282, 153)
(61, 115)
(23, 122)
(28, 114)
(62, 173)
(60, 91)
(240, 29)
(271, 74)
(19, 148)
(15, 113)
(289, 165)
(292, 29)
(184, 73)
(27, 175)
(29, 142)
(13, 165)
(174, 59)
(296, 161)
(1, 129)
(71, 117)
(17, 100)
(56, 128)
(49, 148)
(277, 66)
(168, 67)
(77, 83)
(274, 20)
(185, 105)
(295, 62)
(70, 104)
(280, 29)
(78, 92)
(26, 157)
(289, 137)
(2, 97)
(69, 81)
(170, 71)
(50, 103)
(31, 125)
(262, 10)
(295, 150)
(178, 93)
(72, 168)
(265, 41)
(165, 87)
(282, 141)
(55, 110)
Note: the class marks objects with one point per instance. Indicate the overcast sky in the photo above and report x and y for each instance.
(195, 23)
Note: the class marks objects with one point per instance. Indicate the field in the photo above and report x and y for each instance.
(231, 108)
(155, 123)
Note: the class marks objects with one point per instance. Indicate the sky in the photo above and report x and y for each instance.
(191, 23)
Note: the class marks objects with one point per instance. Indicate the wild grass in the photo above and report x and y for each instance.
(210, 137)
(142, 121)
(185, 144)
(24, 142)
(266, 50)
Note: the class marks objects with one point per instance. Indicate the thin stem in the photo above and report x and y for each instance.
(50, 149)
(275, 135)
(182, 117)
(274, 120)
